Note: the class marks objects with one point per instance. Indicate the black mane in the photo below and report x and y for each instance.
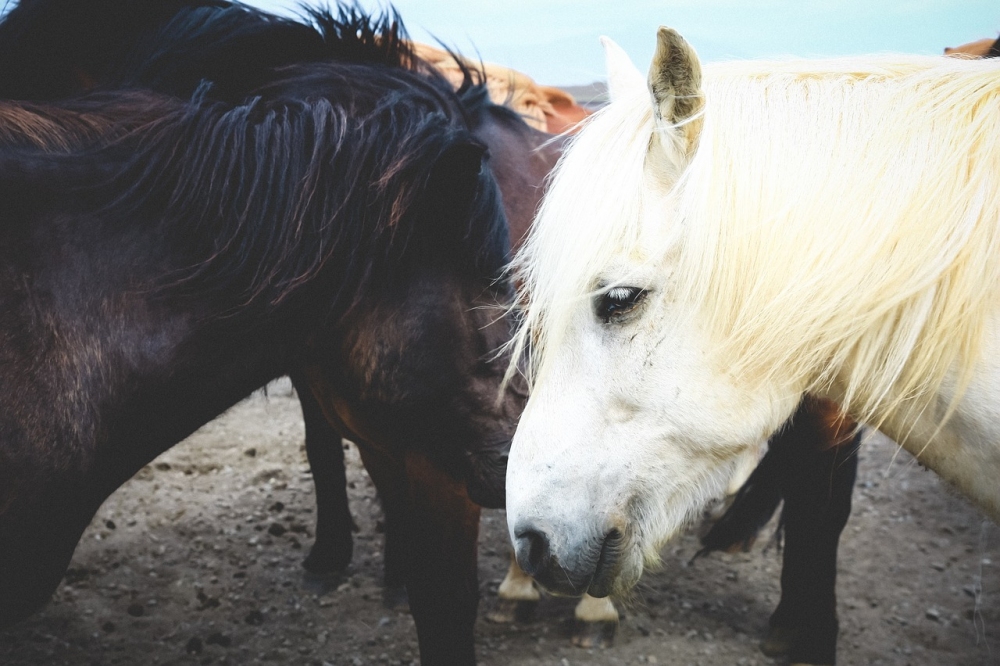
(52, 48)
(329, 125)
(289, 188)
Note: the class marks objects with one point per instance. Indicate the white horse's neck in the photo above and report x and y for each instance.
(965, 451)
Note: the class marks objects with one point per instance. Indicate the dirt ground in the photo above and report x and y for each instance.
(197, 560)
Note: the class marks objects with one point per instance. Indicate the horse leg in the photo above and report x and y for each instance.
(517, 597)
(596, 622)
(389, 477)
(334, 544)
(37, 538)
(431, 531)
(441, 573)
(817, 492)
(753, 506)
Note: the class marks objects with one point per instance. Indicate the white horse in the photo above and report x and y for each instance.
(709, 253)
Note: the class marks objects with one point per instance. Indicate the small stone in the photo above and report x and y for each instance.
(276, 529)
(278, 506)
(110, 524)
(250, 453)
(933, 614)
(205, 602)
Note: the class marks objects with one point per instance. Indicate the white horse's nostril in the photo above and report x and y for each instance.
(532, 550)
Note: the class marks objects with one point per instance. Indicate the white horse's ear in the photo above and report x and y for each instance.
(624, 78)
(675, 84)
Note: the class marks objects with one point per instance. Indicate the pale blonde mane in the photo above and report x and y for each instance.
(840, 223)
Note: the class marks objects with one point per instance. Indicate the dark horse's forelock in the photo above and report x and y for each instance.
(290, 187)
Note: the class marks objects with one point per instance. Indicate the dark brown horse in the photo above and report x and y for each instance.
(173, 45)
(406, 443)
(245, 239)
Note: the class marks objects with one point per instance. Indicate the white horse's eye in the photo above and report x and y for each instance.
(617, 302)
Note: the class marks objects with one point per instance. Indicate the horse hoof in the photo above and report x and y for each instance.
(595, 634)
(396, 599)
(321, 584)
(507, 611)
(778, 642)
(328, 560)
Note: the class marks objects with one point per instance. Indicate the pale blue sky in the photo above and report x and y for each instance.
(555, 41)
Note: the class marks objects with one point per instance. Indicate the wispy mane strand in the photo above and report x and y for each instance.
(287, 188)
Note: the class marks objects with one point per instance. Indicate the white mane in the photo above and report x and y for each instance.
(839, 223)
(573, 236)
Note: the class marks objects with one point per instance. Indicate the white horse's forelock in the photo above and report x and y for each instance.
(579, 229)
(841, 224)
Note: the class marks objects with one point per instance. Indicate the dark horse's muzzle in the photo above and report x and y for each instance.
(487, 478)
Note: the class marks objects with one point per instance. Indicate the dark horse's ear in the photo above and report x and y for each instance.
(463, 218)
(454, 180)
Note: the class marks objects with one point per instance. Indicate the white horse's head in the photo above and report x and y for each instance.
(705, 256)
(621, 443)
